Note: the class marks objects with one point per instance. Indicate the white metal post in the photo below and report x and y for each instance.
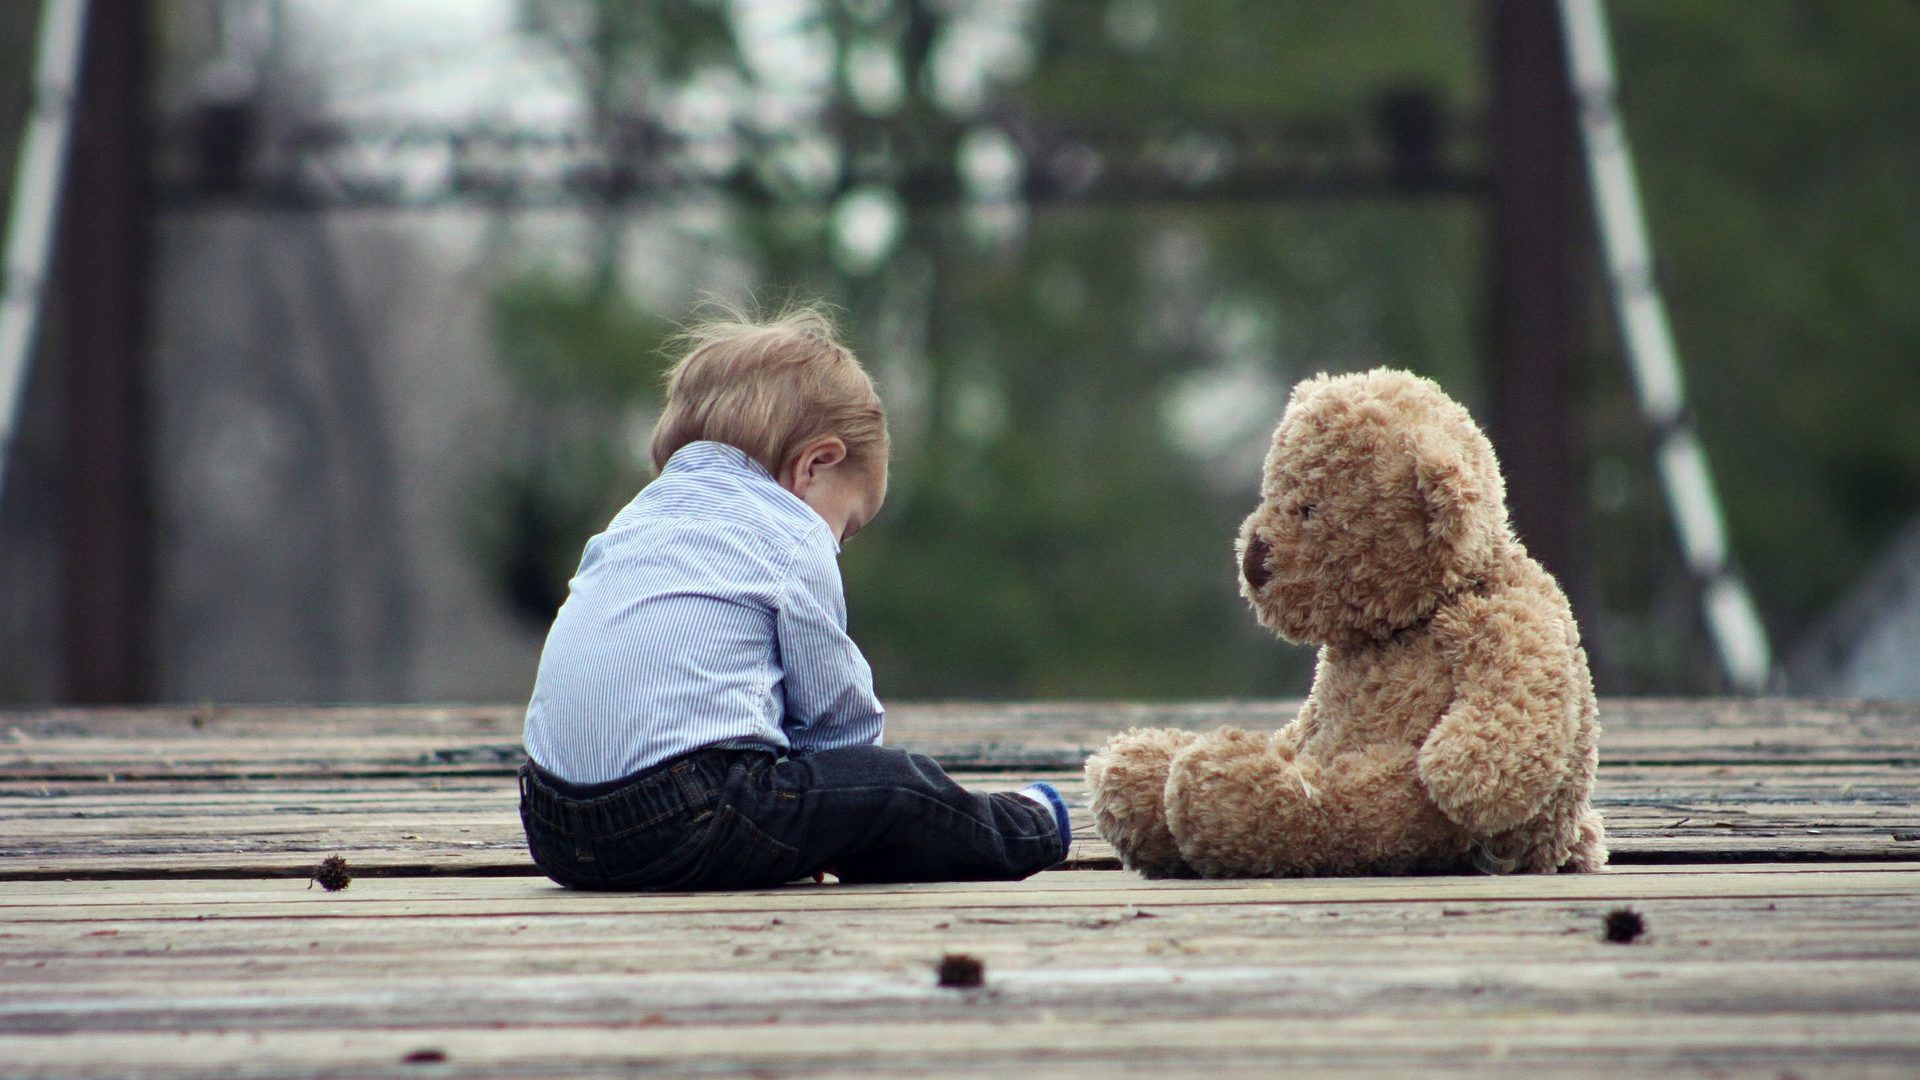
(36, 205)
(1732, 620)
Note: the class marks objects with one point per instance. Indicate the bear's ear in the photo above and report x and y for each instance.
(1443, 485)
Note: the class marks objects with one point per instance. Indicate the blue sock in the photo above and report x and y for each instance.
(1047, 795)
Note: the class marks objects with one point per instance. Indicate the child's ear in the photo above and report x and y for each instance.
(820, 454)
(824, 454)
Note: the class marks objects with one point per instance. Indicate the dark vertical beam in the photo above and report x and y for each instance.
(107, 584)
(1535, 173)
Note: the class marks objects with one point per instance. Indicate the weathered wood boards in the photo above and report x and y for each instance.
(469, 824)
(1038, 1041)
(1742, 968)
(182, 743)
(252, 792)
(1773, 848)
(29, 900)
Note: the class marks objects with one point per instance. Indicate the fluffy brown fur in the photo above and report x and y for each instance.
(1451, 725)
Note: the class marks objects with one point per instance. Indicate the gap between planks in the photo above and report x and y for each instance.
(57, 901)
(1577, 1041)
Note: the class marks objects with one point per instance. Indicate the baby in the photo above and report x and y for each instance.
(701, 720)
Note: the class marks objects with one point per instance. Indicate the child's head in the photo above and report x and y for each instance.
(795, 399)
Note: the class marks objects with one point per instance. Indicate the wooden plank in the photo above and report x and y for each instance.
(470, 825)
(1112, 994)
(691, 967)
(1653, 787)
(125, 941)
(1742, 968)
(291, 741)
(56, 900)
(1873, 1043)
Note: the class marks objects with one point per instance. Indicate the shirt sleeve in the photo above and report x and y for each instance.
(829, 687)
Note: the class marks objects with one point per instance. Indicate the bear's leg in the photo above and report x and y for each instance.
(1128, 781)
(1244, 805)
(1570, 834)
(1590, 848)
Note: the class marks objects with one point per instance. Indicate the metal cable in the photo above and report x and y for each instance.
(1731, 618)
(36, 205)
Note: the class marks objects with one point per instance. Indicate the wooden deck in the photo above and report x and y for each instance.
(155, 919)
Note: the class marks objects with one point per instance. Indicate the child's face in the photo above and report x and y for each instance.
(845, 493)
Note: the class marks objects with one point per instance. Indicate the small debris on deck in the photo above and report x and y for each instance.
(958, 971)
(1624, 925)
(332, 874)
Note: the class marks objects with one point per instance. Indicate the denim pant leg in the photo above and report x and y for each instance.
(673, 827)
(739, 849)
(877, 814)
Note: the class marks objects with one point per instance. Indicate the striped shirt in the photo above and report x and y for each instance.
(709, 613)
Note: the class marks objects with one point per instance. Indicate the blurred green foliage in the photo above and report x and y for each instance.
(1071, 395)
(1779, 168)
(563, 345)
(577, 357)
(19, 32)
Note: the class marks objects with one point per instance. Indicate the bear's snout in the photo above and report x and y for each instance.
(1253, 565)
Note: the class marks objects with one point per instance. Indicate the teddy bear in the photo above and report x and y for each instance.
(1451, 725)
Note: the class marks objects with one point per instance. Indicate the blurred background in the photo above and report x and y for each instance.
(353, 322)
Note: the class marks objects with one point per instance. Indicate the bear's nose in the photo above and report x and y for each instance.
(1253, 566)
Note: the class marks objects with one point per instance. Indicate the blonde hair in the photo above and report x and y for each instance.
(770, 388)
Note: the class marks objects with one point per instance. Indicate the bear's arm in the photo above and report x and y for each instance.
(1306, 723)
(1506, 741)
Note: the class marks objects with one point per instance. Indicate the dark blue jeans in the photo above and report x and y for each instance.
(743, 819)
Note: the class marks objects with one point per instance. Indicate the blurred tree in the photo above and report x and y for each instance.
(577, 350)
(576, 354)
(1081, 398)
(19, 33)
(1081, 394)
(1778, 164)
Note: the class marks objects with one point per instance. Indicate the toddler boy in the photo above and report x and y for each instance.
(701, 720)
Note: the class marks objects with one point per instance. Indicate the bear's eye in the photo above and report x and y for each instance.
(1306, 511)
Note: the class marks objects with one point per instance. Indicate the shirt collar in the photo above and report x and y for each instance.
(703, 454)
